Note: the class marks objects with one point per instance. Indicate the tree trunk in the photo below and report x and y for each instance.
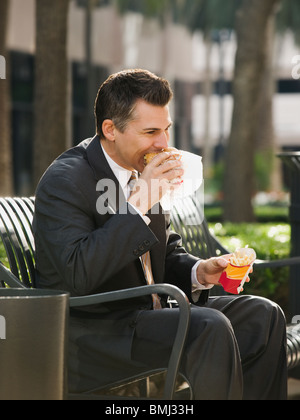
(207, 93)
(6, 173)
(51, 83)
(265, 138)
(251, 59)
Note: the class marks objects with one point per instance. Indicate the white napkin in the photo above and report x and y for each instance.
(192, 180)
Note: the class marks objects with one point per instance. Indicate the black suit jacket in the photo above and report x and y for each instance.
(84, 252)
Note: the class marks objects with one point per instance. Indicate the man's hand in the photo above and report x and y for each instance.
(209, 271)
(154, 182)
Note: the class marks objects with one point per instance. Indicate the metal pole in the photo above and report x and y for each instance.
(292, 160)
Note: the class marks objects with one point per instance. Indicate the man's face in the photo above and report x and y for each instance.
(147, 132)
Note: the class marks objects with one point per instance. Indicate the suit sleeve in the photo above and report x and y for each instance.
(179, 264)
(71, 245)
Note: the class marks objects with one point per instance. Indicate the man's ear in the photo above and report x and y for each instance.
(108, 129)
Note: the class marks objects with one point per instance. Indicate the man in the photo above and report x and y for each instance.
(92, 234)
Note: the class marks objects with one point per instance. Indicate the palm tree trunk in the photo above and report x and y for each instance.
(251, 59)
(51, 83)
(207, 93)
(6, 173)
(265, 138)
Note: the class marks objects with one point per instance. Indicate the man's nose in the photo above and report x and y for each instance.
(162, 141)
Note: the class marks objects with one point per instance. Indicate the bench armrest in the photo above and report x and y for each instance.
(183, 325)
(9, 278)
(277, 263)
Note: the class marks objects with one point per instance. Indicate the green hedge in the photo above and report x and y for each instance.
(264, 214)
(3, 257)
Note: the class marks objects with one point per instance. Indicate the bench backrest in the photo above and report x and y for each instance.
(16, 233)
(188, 220)
(16, 216)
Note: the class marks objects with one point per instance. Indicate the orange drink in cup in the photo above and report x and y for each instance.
(239, 267)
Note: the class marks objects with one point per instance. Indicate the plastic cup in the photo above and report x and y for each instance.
(234, 276)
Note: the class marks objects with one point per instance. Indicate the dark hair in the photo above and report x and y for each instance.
(117, 96)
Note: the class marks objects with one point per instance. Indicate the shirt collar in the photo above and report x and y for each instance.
(122, 174)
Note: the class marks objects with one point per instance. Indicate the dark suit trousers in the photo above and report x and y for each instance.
(236, 348)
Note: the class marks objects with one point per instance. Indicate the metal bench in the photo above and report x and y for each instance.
(187, 219)
(16, 216)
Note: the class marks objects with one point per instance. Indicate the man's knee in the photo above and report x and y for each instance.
(265, 308)
(209, 322)
(212, 359)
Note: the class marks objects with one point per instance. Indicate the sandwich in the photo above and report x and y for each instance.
(175, 154)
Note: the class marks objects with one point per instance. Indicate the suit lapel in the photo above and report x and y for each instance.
(107, 182)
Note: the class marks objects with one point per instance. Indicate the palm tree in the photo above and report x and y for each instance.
(213, 18)
(254, 29)
(6, 185)
(208, 15)
(51, 83)
(253, 20)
